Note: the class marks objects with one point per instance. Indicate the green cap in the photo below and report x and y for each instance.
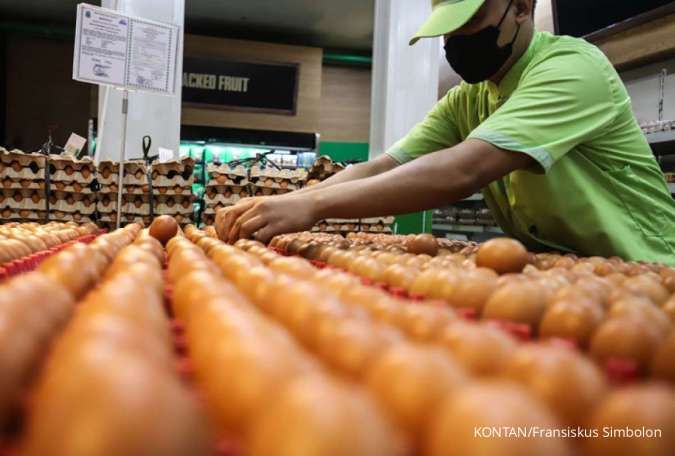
(447, 16)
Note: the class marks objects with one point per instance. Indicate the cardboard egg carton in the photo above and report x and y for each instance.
(65, 168)
(208, 219)
(72, 207)
(375, 228)
(378, 220)
(173, 190)
(8, 182)
(62, 216)
(242, 190)
(173, 173)
(134, 173)
(172, 205)
(106, 204)
(8, 214)
(19, 165)
(267, 191)
(22, 199)
(323, 168)
(221, 198)
(71, 187)
(224, 174)
(287, 179)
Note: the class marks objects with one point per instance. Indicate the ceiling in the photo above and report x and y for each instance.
(344, 25)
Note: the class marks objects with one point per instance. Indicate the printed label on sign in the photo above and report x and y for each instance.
(74, 145)
(125, 51)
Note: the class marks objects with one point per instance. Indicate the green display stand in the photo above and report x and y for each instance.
(344, 151)
(415, 223)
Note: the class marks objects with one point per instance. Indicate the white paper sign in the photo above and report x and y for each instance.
(165, 155)
(75, 144)
(124, 51)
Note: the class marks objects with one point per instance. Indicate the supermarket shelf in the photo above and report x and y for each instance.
(662, 142)
(466, 228)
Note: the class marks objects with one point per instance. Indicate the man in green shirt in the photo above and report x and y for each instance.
(541, 124)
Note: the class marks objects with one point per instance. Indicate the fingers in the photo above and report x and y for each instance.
(251, 226)
(226, 218)
(266, 233)
(234, 235)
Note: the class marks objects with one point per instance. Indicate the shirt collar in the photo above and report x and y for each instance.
(510, 81)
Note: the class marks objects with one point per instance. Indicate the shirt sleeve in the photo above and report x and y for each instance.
(437, 131)
(568, 99)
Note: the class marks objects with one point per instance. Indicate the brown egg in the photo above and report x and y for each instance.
(523, 302)
(422, 243)
(163, 228)
(569, 383)
(410, 382)
(424, 322)
(648, 287)
(574, 320)
(663, 364)
(640, 307)
(472, 290)
(502, 255)
(636, 420)
(483, 350)
(486, 407)
(625, 338)
(321, 417)
(669, 308)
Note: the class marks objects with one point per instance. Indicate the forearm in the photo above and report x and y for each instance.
(430, 181)
(355, 172)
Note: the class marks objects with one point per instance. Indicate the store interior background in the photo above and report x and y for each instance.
(332, 41)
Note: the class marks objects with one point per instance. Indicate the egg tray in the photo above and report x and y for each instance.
(222, 200)
(617, 370)
(32, 261)
(21, 214)
(224, 446)
(9, 184)
(217, 180)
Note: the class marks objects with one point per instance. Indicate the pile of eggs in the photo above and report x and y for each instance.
(18, 240)
(619, 312)
(358, 346)
(434, 375)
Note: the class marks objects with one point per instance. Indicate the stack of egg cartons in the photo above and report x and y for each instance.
(376, 224)
(23, 189)
(72, 198)
(266, 181)
(225, 187)
(107, 176)
(172, 188)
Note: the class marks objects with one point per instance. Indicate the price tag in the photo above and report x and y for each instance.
(74, 145)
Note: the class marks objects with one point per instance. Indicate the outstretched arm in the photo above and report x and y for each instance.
(430, 181)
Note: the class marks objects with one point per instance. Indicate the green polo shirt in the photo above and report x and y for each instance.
(597, 189)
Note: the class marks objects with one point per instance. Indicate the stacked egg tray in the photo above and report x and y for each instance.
(323, 168)
(344, 226)
(171, 184)
(265, 181)
(22, 183)
(226, 185)
(72, 195)
(277, 355)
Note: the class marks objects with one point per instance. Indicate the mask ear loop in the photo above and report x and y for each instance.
(499, 26)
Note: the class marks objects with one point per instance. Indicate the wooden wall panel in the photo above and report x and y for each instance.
(640, 45)
(345, 104)
(306, 118)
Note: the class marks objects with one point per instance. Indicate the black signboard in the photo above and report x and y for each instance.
(265, 87)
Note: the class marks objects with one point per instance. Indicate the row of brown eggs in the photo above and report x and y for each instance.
(619, 316)
(34, 306)
(22, 239)
(557, 385)
(109, 385)
(260, 386)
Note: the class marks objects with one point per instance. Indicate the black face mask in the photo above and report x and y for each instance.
(477, 57)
